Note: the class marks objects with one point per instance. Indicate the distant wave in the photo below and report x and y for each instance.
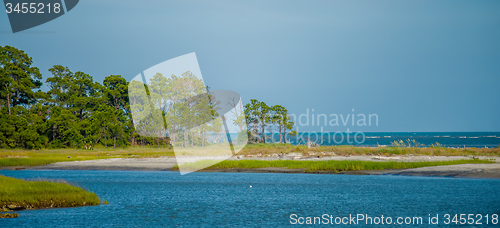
(447, 139)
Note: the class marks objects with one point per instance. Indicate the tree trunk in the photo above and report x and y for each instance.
(263, 135)
(132, 132)
(284, 134)
(8, 102)
(105, 138)
(185, 139)
(54, 132)
(280, 133)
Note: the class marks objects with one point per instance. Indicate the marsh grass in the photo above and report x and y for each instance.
(330, 166)
(34, 194)
(17, 157)
(269, 149)
(9, 215)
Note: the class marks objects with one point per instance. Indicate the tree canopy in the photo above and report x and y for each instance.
(79, 112)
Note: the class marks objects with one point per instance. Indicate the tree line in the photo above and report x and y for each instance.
(79, 112)
(267, 122)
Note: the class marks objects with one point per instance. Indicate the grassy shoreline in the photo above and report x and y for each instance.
(17, 194)
(9, 215)
(268, 149)
(325, 166)
(18, 157)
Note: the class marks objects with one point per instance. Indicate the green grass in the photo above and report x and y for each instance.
(18, 157)
(34, 194)
(9, 215)
(330, 166)
(267, 149)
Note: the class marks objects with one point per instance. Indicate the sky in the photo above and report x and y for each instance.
(420, 66)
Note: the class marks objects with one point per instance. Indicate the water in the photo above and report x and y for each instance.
(447, 139)
(164, 199)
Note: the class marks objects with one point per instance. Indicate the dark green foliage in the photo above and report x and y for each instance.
(76, 111)
(260, 117)
(19, 97)
(18, 79)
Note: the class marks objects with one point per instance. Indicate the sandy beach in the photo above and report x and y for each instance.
(167, 163)
(138, 164)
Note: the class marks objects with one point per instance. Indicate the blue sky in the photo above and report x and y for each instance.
(418, 65)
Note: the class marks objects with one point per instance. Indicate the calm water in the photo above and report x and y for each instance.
(448, 139)
(159, 199)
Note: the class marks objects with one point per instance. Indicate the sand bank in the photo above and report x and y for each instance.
(166, 163)
(141, 164)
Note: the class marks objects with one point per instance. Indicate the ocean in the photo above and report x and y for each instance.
(373, 139)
